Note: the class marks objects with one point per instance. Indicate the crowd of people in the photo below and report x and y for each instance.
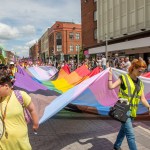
(14, 121)
(119, 62)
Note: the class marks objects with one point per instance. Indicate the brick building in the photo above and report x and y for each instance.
(89, 24)
(39, 49)
(44, 46)
(33, 52)
(119, 26)
(64, 40)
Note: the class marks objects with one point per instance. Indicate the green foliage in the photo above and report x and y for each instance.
(2, 59)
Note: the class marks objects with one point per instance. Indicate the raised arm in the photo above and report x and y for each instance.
(110, 84)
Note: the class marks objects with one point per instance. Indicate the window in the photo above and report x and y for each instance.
(58, 35)
(95, 34)
(71, 35)
(77, 48)
(95, 15)
(77, 36)
(58, 38)
(59, 41)
(71, 48)
(59, 48)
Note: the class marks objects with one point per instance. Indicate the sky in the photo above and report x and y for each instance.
(23, 22)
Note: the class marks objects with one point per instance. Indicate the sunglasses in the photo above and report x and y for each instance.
(142, 71)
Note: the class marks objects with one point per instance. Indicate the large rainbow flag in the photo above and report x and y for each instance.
(86, 90)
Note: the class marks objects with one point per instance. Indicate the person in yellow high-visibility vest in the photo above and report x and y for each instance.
(127, 83)
(13, 68)
(12, 71)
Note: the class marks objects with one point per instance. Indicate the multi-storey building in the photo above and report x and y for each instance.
(119, 26)
(33, 52)
(89, 24)
(44, 46)
(64, 40)
(39, 49)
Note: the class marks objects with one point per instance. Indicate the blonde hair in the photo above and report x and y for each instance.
(137, 63)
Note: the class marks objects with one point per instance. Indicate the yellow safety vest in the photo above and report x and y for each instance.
(14, 70)
(127, 93)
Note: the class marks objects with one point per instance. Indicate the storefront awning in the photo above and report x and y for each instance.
(143, 42)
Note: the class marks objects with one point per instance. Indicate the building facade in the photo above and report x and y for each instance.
(123, 26)
(33, 52)
(64, 40)
(39, 49)
(45, 46)
(89, 24)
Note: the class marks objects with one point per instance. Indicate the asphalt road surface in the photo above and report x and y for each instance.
(81, 131)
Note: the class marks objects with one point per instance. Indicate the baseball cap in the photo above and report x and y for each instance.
(11, 63)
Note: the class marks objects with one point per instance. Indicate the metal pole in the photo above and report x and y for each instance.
(78, 56)
(106, 52)
(106, 33)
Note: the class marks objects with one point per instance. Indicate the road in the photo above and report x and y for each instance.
(81, 131)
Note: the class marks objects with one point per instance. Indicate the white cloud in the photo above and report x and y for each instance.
(22, 51)
(28, 29)
(8, 32)
(25, 20)
(40, 12)
(31, 43)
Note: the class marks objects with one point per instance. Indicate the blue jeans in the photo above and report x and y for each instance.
(126, 130)
(104, 67)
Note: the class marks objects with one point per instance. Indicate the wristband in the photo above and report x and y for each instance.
(109, 80)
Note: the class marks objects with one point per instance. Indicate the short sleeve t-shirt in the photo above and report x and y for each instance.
(15, 124)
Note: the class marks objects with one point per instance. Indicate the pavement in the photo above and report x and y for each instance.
(81, 131)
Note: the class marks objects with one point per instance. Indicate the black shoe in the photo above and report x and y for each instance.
(117, 148)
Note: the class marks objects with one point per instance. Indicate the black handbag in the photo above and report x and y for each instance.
(120, 109)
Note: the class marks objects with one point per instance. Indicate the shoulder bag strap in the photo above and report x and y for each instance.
(19, 96)
(135, 90)
(25, 111)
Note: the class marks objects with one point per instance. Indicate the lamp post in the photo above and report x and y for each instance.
(106, 33)
(106, 45)
(78, 55)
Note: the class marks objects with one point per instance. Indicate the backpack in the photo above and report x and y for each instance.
(25, 111)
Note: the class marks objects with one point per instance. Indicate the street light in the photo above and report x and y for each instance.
(78, 55)
(106, 45)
